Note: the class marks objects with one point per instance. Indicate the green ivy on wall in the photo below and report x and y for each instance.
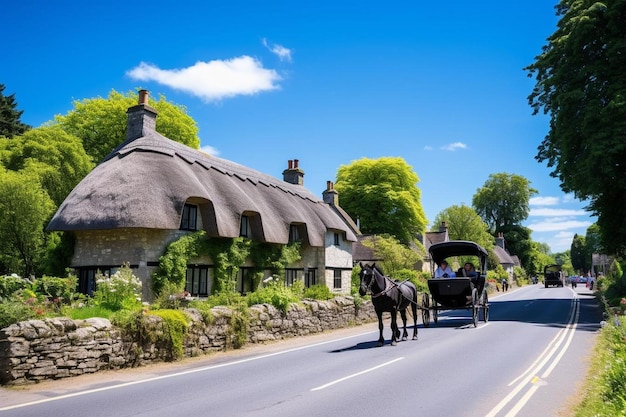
(227, 254)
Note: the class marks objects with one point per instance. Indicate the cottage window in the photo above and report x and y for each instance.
(244, 229)
(337, 279)
(87, 278)
(336, 239)
(245, 280)
(197, 282)
(294, 234)
(291, 275)
(190, 216)
(309, 277)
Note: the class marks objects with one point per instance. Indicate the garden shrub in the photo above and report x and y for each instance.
(318, 292)
(176, 324)
(276, 294)
(53, 288)
(10, 284)
(14, 311)
(237, 334)
(225, 298)
(122, 290)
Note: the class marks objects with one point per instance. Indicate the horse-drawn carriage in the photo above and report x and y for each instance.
(460, 292)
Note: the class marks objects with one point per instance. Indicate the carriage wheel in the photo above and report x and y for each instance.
(485, 306)
(425, 310)
(475, 307)
(435, 312)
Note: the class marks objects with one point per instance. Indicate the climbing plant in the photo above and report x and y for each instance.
(227, 254)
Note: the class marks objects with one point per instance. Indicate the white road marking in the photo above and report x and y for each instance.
(191, 371)
(530, 374)
(336, 381)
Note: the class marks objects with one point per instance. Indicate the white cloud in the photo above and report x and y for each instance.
(551, 212)
(558, 224)
(210, 150)
(284, 54)
(454, 146)
(213, 80)
(428, 148)
(543, 201)
(560, 242)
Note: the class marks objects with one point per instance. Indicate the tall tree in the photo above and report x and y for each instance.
(55, 157)
(396, 256)
(383, 195)
(593, 242)
(25, 209)
(101, 123)
(503, 200)
(465, 224)
(10, 123)
(578, 254)
(581, 85)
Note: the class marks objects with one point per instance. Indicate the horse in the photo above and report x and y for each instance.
(389, 295)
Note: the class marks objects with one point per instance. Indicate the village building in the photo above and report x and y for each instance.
(151, 190)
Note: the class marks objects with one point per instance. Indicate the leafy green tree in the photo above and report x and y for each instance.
(396, 256)
(593, 240)
(10, 123)
(563, 259)
(101, 123)
(25, 209)
(518, 241)
(579, 254)
(536, 260)
(55, 157)
(465, 224)
(580, 84)
(383, 195)
(503, 200)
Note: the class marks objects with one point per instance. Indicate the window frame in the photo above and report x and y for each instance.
(190, 214)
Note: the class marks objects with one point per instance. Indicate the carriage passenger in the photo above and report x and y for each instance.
(469, 270)
(444, 271)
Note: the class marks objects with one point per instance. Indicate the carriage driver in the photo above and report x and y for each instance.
(444, 271)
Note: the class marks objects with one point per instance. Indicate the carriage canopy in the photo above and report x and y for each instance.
(440, 251)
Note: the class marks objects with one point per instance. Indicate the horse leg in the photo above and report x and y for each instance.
(395, 332)
(405, 334)
(381, 339)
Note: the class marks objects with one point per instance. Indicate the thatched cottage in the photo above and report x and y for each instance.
(151, 190)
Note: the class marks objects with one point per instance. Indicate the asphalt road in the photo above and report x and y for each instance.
(529, 360)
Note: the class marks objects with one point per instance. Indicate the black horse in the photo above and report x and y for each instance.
(389, 295)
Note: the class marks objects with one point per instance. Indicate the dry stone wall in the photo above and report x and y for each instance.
(55, 348)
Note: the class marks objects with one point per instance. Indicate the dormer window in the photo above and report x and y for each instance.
(336, 239)
(244, 229)
(294, 234)
(189, 220)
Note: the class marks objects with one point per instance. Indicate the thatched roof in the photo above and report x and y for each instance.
(145, 182)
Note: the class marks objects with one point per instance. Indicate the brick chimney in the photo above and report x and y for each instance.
(293, 174)
(500, 240)
(330, 195)
(141, 118)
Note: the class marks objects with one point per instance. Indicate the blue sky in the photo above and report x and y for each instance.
(440, 84)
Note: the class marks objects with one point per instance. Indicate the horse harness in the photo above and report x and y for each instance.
(389, 284)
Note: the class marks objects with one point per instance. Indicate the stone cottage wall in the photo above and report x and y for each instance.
(55, 348)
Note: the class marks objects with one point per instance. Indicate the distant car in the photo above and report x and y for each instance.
(582, 279)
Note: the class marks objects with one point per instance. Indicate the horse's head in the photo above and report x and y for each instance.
(367, 278)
